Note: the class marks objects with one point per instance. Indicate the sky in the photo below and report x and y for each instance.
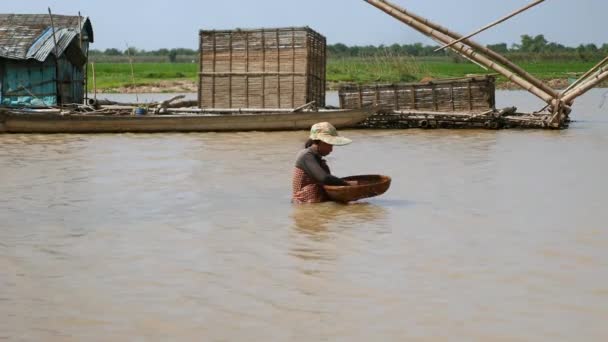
(153, 24)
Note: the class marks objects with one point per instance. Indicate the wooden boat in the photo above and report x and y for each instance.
(367, 186)
(195, 121)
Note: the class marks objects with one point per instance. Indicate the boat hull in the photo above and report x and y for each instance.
(83, 123)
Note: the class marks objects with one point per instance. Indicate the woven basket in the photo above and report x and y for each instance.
(368, 186)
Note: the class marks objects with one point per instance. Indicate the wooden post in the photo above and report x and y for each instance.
(80, 30)
(86, 79)
(94, 82)
(132, 73)
(57, 69)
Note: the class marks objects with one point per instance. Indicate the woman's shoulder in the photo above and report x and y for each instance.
(307, 154)
(304, 152)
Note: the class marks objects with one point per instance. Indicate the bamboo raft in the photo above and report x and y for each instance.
(448, 103)
(558, 104)
(491, 119)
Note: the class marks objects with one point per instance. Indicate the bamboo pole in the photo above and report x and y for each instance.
(491, 25)
(132, 72)
(582, 78)
(94, 82)
(490, 53)
(57, 69)
(463, 49)
(585, 87)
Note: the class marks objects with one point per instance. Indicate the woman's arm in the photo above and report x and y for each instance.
(311, 166)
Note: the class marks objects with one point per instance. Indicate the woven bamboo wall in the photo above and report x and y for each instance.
(262, 68)
(455, 95)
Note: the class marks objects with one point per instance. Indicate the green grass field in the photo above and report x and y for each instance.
(357, 70)
(115, 75)
(406, 69)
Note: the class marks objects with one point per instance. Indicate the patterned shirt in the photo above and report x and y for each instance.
(309, 175)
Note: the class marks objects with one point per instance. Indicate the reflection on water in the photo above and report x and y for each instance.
(483, 236)
(312, 219)
(323, 223)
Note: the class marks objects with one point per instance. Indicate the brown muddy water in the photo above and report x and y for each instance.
(483, 236)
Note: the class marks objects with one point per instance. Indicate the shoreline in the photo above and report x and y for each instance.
(187, 86)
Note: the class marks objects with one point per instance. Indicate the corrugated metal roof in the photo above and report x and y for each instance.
(25, 36)
(45, 44)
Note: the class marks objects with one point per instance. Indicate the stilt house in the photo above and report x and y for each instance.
(37, 69)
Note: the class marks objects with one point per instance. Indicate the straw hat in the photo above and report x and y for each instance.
(328, 134)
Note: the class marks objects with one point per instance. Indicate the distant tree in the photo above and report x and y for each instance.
(591, 48)
(533, 44)
(338, 49)
(131, 51)
(395, 49)
(500, 48)
(186, 52)
(554, 47)
(173, 56)
(112, 52)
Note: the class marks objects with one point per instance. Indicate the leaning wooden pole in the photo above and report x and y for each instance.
(464, 49)
(581, 89)
(587, 74)
(57, 69)
(490, 53)
(491, 25)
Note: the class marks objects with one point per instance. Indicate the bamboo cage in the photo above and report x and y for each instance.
(472, 94)
(262, 68)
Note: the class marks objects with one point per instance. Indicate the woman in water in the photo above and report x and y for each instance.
(311, 171)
